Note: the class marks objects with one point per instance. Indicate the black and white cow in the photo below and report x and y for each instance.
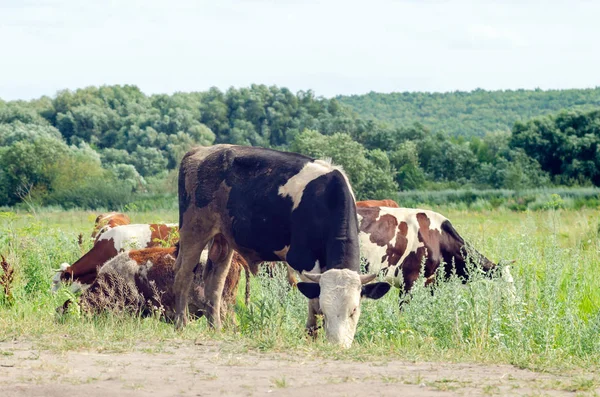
(272, 206)
(399, 241)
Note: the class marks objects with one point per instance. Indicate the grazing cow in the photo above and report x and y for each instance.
(396, 241)
(272, 206)
(109, 220)
(108, 244)
(142, 281)
(377, 203)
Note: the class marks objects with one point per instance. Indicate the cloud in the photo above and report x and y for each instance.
(332, 47)
(498, 36)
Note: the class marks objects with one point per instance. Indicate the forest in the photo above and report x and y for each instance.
(108, 146)
(472, 113)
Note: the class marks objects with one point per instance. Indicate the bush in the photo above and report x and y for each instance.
(95, 193)
(531, 199)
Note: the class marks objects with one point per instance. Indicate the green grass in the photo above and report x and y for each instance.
(551, 323)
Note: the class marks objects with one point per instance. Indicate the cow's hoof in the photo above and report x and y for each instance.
(180, 322)
(313, 332)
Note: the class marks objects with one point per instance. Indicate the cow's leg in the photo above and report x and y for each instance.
(247, 296)
(215, 273)
(311, 321)
(187, 258)
(409, 278)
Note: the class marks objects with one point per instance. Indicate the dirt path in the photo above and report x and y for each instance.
(201, 370)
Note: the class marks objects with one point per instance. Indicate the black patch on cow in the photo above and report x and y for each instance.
(448, 228)
(215, 165)
(261, 218)
(326, 223)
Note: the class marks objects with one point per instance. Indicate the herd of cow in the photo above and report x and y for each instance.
(240, 207)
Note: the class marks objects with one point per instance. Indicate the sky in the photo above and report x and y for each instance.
(331, 47)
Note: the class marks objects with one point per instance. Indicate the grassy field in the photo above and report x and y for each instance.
(551, 324)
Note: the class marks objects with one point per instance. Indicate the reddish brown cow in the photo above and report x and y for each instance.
(377, 203)
(108, 244)
(142, 281)
(109, 220)
(396, 241)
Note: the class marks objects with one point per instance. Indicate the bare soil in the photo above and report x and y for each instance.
(189, 369)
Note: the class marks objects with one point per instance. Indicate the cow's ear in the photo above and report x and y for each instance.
(375, 290)
(310, 290)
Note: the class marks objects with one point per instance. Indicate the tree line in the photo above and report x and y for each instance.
(102, 146)
(474, 113)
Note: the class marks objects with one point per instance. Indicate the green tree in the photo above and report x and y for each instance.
(368, 180)
(406, 160)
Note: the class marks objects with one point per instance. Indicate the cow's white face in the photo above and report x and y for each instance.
(74, 287)
(56, 279)
(339, 292)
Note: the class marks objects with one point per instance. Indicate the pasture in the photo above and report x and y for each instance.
(476, 338)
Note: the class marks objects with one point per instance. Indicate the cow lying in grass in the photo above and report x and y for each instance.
(141, 281)
(108, 244)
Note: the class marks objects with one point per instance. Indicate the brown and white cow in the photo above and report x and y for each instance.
(396, 241)
(108, 245)
(142, 281)
(108, 220)
(377, 203)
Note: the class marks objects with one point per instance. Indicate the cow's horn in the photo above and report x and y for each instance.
(308, 277)
(367, 278)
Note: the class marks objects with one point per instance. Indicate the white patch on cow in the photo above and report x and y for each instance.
(316, 268)
(128, 237)
(204, 256)
(510, 284)
(56, 278)
(294, 187)
(143, 269)
(339, 302)
(373, 253)
(506, 276)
